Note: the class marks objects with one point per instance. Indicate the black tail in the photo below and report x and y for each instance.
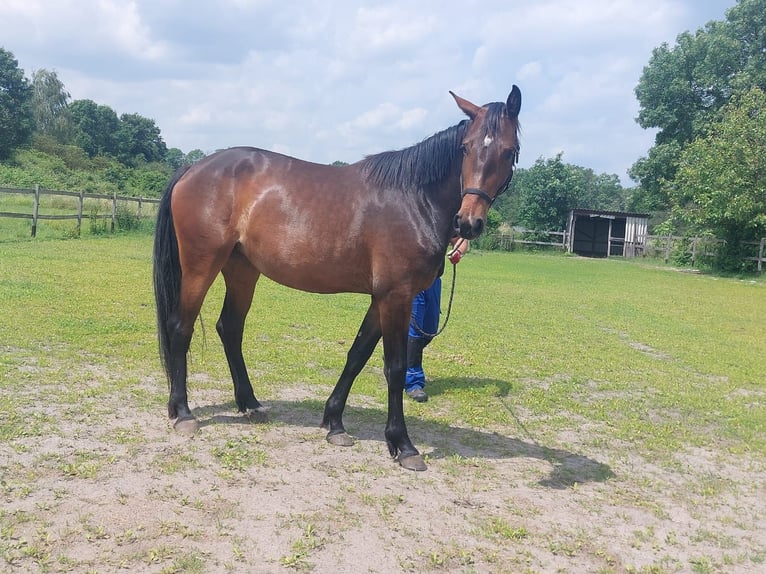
(167, 271)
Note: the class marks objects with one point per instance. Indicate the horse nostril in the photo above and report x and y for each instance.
(456, 221)
(478, 227)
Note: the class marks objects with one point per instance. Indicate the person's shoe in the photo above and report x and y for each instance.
(417, 394)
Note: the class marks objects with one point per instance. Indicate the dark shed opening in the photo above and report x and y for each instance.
(595, 233)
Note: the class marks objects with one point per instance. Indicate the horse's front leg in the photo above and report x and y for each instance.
(358, 355)
(395, 322)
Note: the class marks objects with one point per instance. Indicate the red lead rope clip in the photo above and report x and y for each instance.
(455, 253)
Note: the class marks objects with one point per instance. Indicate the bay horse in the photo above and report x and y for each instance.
(379, 226)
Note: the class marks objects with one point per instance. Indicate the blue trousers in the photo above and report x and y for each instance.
(425, 314)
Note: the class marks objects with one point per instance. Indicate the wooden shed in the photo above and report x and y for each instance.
(595, 233)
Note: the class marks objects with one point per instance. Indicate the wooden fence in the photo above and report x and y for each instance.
(80, 197)
(555, 239)
(696, 248)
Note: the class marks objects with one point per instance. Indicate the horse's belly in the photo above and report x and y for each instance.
(307, 266)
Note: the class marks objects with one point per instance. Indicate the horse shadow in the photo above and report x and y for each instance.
(366, 423)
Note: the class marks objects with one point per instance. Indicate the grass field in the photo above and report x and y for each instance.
(585, 416)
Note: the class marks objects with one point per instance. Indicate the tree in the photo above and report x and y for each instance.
(50, 105)
(720, 187)
(603, 191)
(653, 174)
(547, 193)
(95, 128)
(682, 88)
(542, 196)
(194, 156)
(16, 119)
(139, 138)
(175, 158)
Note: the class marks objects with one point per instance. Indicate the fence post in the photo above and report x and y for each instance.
(114, 210)
(760, 254)
(35, 210)
(79, 212)
(667, 248)
(694, 249)
(140, 205)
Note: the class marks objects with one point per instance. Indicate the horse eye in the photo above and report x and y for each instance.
(464, 149)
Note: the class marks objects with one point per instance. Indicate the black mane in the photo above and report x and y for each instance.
(420, 165)
(429, 161)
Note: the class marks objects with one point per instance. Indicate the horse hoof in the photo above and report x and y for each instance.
(259, 415)
(340, 439)
(186, 426)
(414, 462)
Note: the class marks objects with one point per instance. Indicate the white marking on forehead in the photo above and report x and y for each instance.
(487, 141)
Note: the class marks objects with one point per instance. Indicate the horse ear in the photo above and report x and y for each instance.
(513, 105)
(468, 108)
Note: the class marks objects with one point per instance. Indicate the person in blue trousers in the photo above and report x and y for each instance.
(425, 322)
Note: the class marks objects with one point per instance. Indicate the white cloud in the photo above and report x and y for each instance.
(336, 80)
(388, 116)
(529, 71)
(389, 27)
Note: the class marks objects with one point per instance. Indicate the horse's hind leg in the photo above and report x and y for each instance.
(194, 286)
(358, 355)
(240, 277)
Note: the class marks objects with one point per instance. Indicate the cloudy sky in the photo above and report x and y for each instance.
(339, 79)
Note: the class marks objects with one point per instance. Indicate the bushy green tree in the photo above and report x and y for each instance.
(720, 186)
(194, 156)
(175, 158)
(80, 145)
(547, 192)
(139, 140)
(542, 196)
(95, 127)
(16, 119)
(682, 88)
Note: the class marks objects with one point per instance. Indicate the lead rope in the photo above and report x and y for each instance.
(449, 305)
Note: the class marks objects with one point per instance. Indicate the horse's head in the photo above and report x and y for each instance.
(490, 152)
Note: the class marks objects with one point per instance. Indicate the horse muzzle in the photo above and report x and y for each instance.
(468, 227)
(467, 222)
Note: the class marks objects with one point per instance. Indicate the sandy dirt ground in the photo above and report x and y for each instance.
(93, 490)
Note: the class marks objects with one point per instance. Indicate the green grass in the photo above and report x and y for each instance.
(661, 358)
(566, 369)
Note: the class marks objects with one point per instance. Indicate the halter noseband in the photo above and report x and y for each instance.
(482, 194)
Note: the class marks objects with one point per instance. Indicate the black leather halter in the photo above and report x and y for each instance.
(482, 194)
